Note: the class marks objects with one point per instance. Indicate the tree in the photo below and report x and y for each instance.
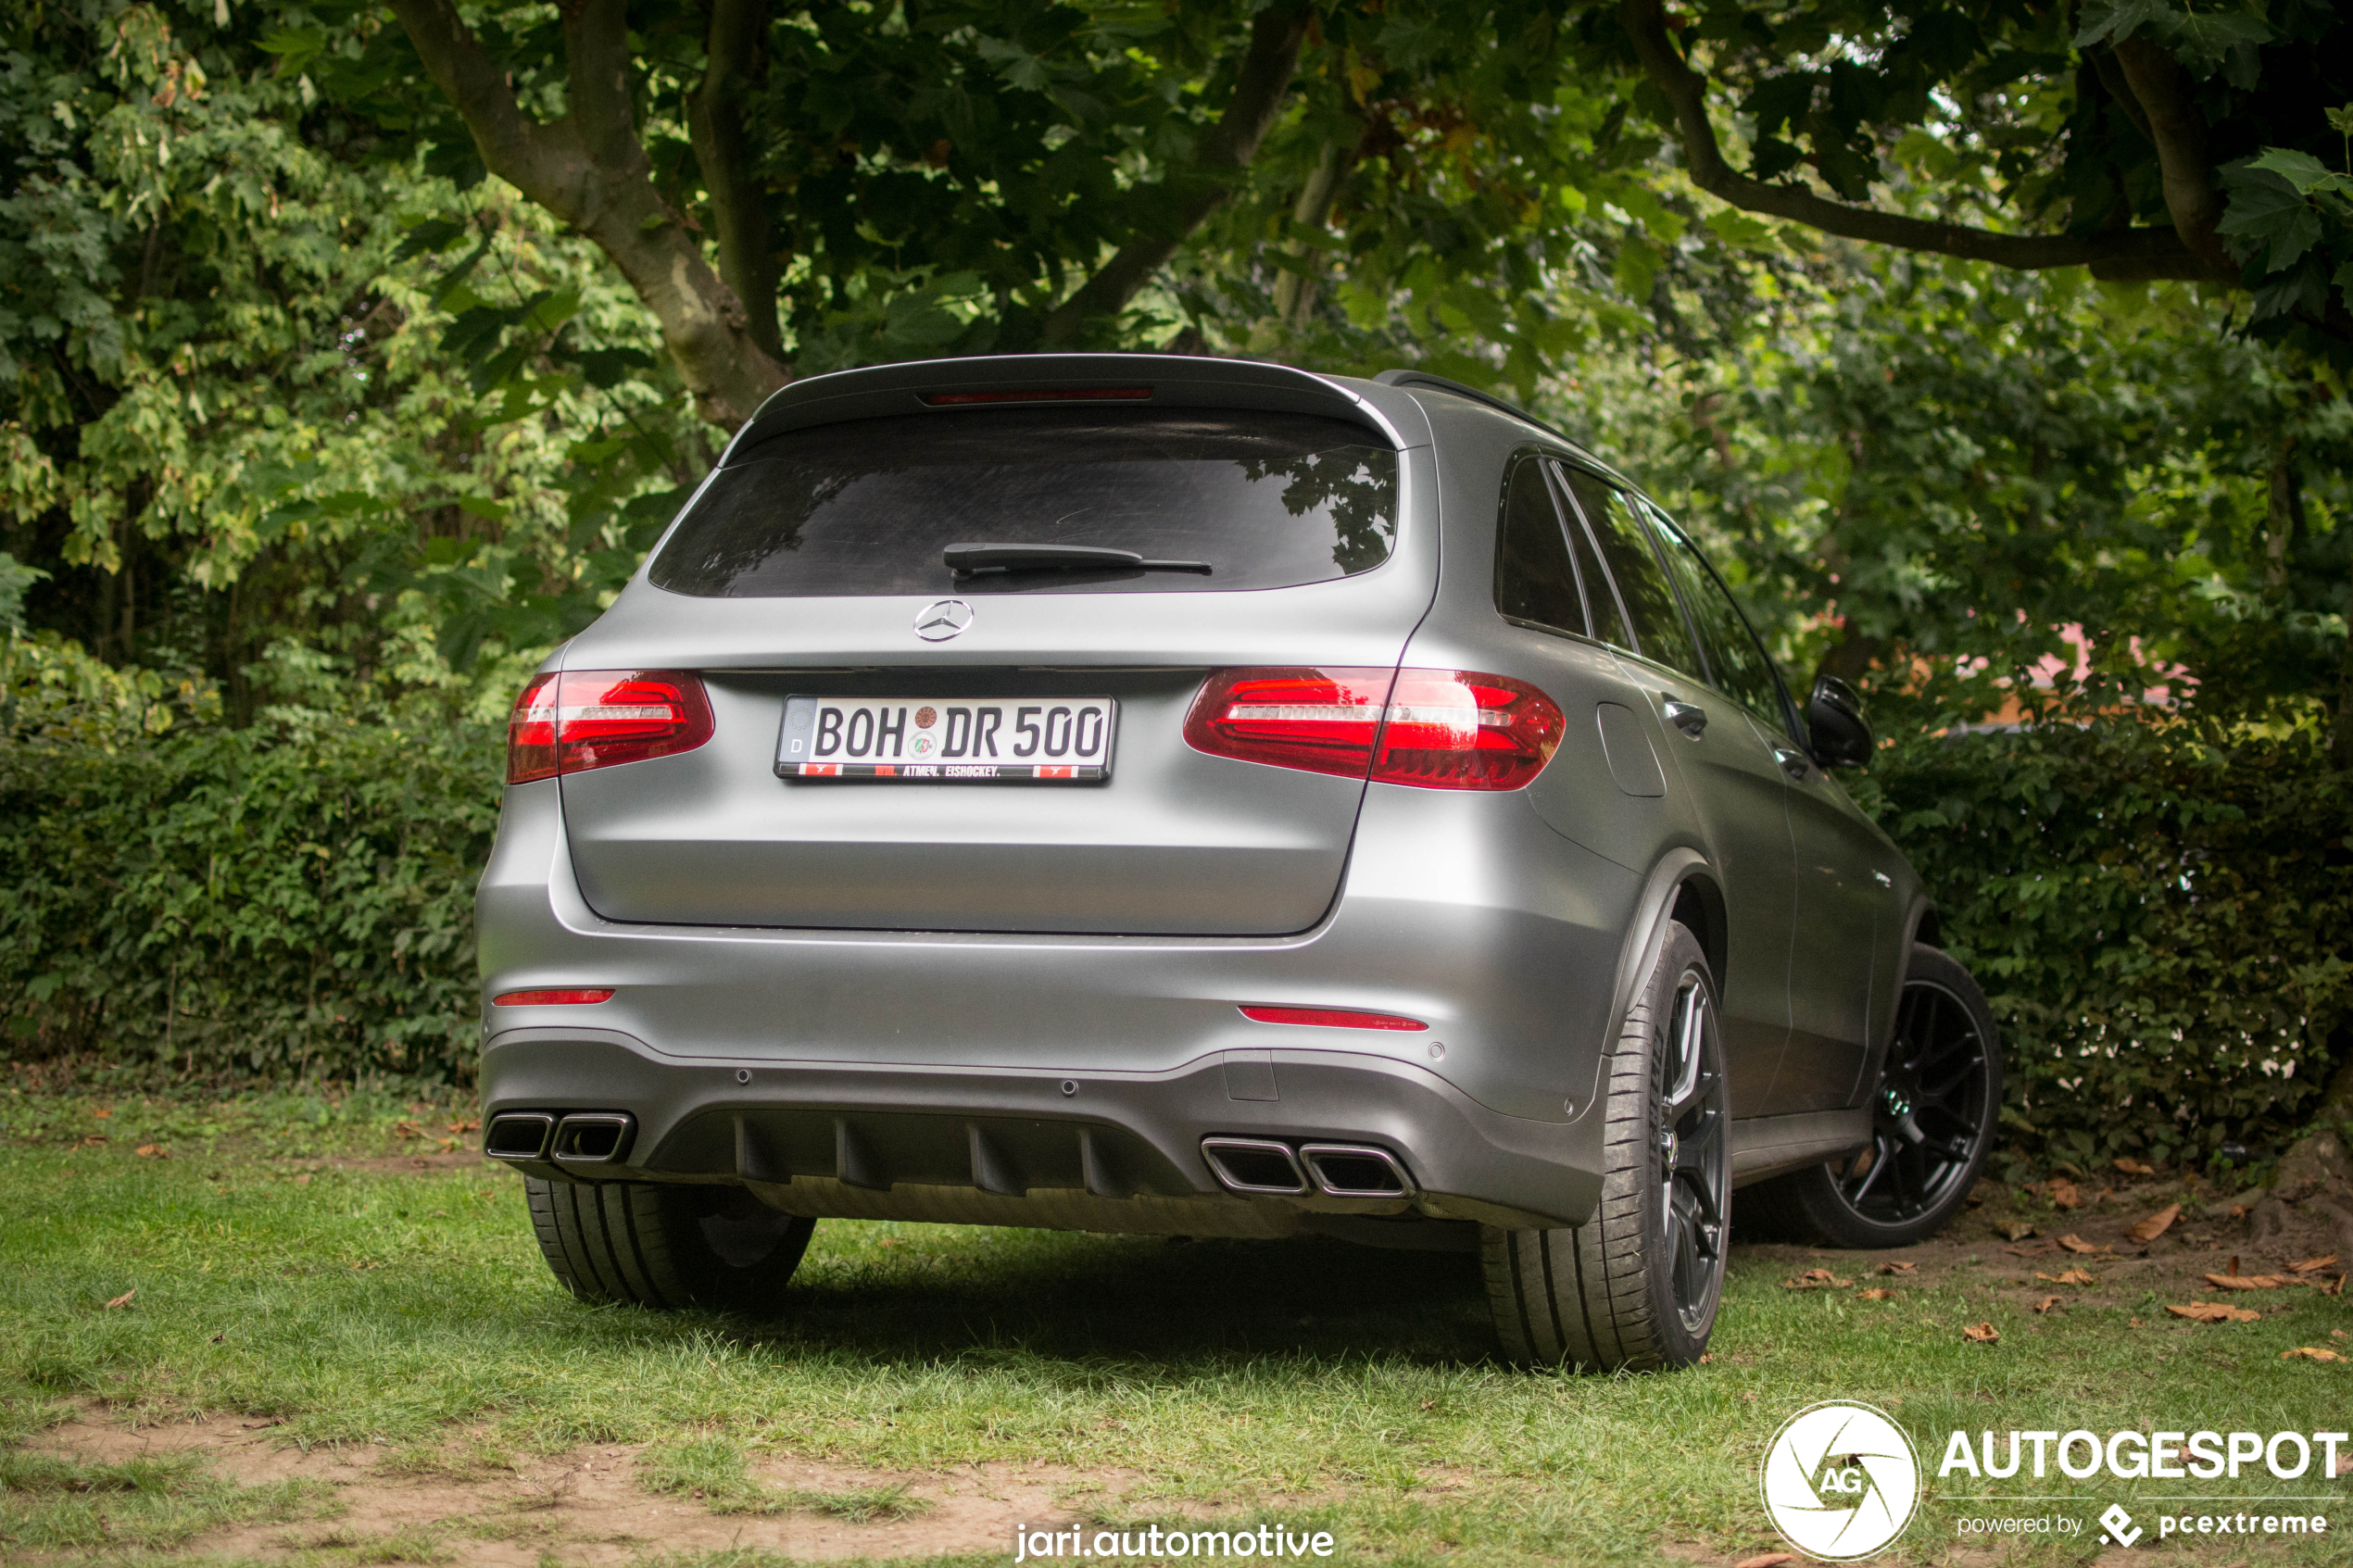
(2142, 139)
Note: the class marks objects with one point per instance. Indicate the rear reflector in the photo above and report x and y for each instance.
(1331, 1018)
(1433, 729)
(550, 998)
(584, 718)
(1040, 394)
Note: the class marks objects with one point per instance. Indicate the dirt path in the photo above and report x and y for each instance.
(586, 1505)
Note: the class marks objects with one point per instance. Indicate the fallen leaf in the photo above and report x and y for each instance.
(218, 1337)
(2069, 1277)
(1770, 1560)
(2310, 1354)
(2157, 1224)
(2135, 1322)
(2331, 1288)
(1816, 1279)
(408, 1130)
(2240, 1211)
(103, 1112)
(2013, 1229)
(2074, 1242)
(2248, 1282)
(1705, 1357)
(152, 1152)
(2064, 1196)
(1877, 1292)
(123, 1300)
(2134, 1167)
(1906, 1268)
(2046, 1303)
(467, 1124)
(2214, 1312)
(1981, 1334)
(2311, 1266)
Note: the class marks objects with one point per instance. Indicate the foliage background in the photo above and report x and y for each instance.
(313, 440)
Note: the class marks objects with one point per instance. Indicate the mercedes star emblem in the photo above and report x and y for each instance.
(940, 622)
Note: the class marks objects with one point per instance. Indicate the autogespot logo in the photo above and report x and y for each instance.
(1840, 1481)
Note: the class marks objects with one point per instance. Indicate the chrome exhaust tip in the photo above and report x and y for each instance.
(518, 1135)
(595, 1138)
(1254, 1165)
(1355, 1170)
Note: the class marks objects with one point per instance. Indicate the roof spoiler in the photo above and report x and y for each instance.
(945, 387)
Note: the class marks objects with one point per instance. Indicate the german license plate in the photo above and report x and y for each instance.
(948, 740)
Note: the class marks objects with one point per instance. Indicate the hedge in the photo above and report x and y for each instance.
(241, 902)
(2158, 921)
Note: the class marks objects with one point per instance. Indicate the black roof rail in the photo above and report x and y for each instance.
(1402, 377)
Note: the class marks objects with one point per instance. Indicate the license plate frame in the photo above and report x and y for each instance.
(947, 740)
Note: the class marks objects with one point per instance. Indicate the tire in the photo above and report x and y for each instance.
(1934, 1115)
(1636, 1288)
(653, 1244)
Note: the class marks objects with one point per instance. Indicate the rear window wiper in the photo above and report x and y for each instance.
(965, 559)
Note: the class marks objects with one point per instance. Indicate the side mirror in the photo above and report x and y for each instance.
(1834, 720)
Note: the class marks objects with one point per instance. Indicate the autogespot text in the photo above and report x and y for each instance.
(2134, 1456)
(1267, 1540)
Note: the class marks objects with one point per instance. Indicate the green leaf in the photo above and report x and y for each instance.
(2267, 211)
(2302, 170)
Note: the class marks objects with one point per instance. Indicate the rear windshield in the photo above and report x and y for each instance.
(1265, 500)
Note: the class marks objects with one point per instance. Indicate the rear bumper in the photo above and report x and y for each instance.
(1093, 1150)
(919, 1075)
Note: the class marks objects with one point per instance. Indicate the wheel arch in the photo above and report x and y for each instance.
(1680, 884)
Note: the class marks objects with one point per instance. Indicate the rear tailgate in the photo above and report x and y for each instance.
(1172, 842)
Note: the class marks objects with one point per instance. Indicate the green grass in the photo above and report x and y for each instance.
(1328, 1386)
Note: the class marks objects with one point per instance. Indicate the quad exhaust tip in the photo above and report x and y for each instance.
(518, 1135)
(1355, 1170)
(1255, 1165)
(1262, 1165)
(591, 1137)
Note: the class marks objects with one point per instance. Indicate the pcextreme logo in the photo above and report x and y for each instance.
(1841, 1480)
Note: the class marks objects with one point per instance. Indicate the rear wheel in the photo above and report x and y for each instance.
(1932, 1120)
(658, 1245)
(1636, 1285)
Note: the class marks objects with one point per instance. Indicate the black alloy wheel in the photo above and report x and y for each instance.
(1693, 1165)
(1932, 1121)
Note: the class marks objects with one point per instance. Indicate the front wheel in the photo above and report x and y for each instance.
(1636, 1287)
(1932, 1122)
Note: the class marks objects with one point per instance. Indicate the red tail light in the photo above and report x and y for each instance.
(1330, 1018)
(1434, 729)
(551, 999)
(584, 718)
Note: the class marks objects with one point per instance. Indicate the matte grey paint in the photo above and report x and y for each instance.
(911, 974)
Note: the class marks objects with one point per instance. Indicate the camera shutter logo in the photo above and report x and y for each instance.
(1840, 1481)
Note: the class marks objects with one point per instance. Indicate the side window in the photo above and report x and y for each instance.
(1736, 658)
(1641, 582)
(1534, 579)
(1601, 600)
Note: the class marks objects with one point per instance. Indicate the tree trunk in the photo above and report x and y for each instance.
(590, 169)
(736, 55)
(1295, 291)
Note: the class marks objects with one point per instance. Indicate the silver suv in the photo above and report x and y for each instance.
(1143, 794)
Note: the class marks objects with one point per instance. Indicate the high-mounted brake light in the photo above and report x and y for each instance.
(1433, 729)
(551, 999)
(1043, 395)
(1330, 1018)
(584, 718)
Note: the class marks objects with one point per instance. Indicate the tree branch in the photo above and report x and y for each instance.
(2178, 129)
(2117, 254)
(737, 61)
(590, 170)
(1224, 150)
